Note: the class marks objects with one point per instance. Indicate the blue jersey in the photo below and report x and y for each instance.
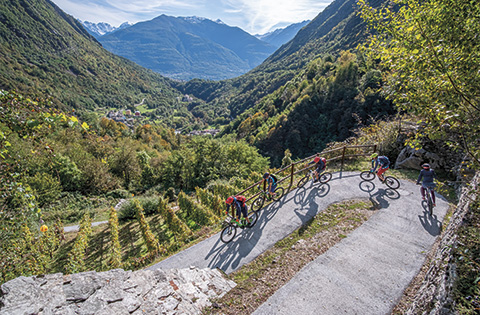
(383, 161)
(427, 175)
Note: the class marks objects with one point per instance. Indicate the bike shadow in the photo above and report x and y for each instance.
(228, 257)
(306, 204)
(379, 198)
(430, 222)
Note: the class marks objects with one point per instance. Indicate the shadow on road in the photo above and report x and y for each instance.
(430, 222)
(228, 256)
(378, 199)
(304, 201)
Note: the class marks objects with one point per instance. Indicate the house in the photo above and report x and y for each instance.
(187, 98)
(128, 112)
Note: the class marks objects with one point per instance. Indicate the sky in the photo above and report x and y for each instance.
(253, 16)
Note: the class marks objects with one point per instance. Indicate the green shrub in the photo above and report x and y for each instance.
(118, 193)
(128, 210)
(47, 188)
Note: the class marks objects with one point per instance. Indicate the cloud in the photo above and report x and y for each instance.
(253, 16)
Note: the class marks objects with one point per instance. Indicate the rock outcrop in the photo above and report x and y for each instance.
(176, 291)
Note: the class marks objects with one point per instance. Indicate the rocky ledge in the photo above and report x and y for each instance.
(176, 291)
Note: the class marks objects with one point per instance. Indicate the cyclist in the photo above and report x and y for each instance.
(427, 175)
(382, 163)
(320, 166)
(271, 182)
(238, 203)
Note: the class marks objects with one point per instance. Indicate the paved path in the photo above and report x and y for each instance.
(75, 228)
(366, 273)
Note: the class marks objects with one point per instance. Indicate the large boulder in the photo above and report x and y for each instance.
(176, 291)
(411, 158)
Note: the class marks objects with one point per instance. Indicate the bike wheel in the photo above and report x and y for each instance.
(392, 182)
(253, 217)
(228, 233)
(429, 203)
(325, 177)
(367, 175)
(258, 203)
(279, 192)
(302, 182)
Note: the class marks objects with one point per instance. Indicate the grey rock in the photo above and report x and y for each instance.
(116, 292)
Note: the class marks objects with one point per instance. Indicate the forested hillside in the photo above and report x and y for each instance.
(44, 51)
(336, 28)
(313, 90)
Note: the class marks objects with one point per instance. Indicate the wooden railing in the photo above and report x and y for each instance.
(339, 154)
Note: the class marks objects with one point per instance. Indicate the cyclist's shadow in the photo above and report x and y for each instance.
(308, 202)
(430, 222)
(227, 257)
(378, 198)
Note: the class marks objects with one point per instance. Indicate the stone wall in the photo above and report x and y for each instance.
(176, 291)
(434, 296)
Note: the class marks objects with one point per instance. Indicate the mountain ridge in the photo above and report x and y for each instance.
(189, 47)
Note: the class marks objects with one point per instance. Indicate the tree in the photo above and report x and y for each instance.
(431, 51)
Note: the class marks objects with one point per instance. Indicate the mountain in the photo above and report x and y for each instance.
(189, 47)
(310, 92)
(46, 52)
(281, 36)
(102, 28)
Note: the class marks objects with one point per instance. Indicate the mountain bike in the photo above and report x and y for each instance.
(428, 192)
(323, 178)
(231, 224)
(258, 203)
(390, 181)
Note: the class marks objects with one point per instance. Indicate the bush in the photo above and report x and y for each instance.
(118, 193)
(47, 188)
(128, 210)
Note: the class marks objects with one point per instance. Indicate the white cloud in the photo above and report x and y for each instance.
(253, 16)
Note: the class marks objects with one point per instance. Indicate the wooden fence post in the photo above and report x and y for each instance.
(343, 158)
(291, 176)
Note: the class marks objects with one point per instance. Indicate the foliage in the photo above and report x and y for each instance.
(176, 225)
(115, 260)
(467, 258)
(314, 108)
(45, 187)
(431, 52)
(150, 241)
(128, 210)
(195, 212)
(211, 201)
(31, 254)
(44, 50)
(76, 257)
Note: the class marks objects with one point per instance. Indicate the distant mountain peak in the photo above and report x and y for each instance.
(280, 36)
(102, 28)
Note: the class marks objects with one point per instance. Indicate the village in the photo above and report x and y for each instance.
(128, 117)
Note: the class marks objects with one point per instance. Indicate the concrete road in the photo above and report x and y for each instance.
(371, 267)
(367, 272)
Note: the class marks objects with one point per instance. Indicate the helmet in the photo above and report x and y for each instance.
(374, 155)
(266, 175)
(316, 159)
(230, 200)
(426, 165)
